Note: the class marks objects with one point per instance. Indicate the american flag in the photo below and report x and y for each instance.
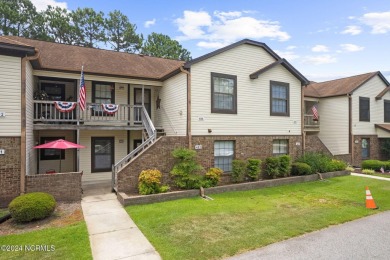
(315, 112)
(82, 91)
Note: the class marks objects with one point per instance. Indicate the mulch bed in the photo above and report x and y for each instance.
(64, 215)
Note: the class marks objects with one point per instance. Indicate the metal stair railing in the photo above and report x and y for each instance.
(152, 135)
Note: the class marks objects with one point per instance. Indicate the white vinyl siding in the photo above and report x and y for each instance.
(173, 107)
(85, 154)
(253, 95)
(370, 89)
(31, 153)
(68, 164)
(10, 98)
(334, 124)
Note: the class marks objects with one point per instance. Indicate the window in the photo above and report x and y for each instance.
(51, 154)
(223, 93)
(280, 146)
(387, 110)
(364, 109)
(223, 155)
(102, 153)
(102, 93)
(365, 148)
(279, 104)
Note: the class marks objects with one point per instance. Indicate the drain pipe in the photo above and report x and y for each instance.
(189, 135)
(23, 152)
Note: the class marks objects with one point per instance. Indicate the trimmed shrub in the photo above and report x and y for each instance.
(32, 206)
(186, 172)
(272, 165)
(253, 169)
(284, 165)
(368, 171)
(212, 177)
(318, 162)
(336, 165)
(350, 168)
(376, 165)
(299, 168)
(239, 170)
(149, 182)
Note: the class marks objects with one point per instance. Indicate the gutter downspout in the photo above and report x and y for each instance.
(189, 135)
(303, 120)
(23, 152)
(350, 148)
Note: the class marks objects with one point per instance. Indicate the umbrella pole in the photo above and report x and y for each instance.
(60, 160)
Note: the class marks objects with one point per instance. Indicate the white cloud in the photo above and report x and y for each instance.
(149, 23)
(320, 48)
(223, 28)
(320, 59)
(210, 45)
(352, 30)
(192, 25)
(379, 22)
(351, 47)
(42, 4)
(291, 47)
(288, 55)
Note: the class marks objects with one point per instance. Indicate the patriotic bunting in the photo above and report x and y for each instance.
(110, 108)
(65, 106)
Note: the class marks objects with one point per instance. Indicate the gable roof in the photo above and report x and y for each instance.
(70, 58)
(15, 48)
(285, 64)
(339, 87)
(229, 47)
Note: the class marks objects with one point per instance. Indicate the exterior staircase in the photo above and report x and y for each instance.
(149, 134)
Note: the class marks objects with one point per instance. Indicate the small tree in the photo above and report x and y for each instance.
(186, 172)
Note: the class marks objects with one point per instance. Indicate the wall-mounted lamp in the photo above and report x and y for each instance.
(209, 130)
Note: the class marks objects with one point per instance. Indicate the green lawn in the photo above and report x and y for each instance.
(70, 242)
(235, 222)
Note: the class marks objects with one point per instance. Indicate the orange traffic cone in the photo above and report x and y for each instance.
(370, 203)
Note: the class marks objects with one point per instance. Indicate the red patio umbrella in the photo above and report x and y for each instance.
(59, 144)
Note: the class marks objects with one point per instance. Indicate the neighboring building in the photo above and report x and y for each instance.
(354, 115)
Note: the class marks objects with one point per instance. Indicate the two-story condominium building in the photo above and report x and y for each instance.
(240, 101)
(354, 115)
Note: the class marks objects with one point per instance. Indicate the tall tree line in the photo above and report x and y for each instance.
(84, 27)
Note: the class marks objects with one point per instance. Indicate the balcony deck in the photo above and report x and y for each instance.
(310, 124)
(47, 116)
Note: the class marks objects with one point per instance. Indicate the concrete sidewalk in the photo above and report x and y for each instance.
(112, 233)
(370, 176)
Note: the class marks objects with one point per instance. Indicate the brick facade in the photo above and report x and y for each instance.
(63, 186)
(159, 155)
(9, 169)
(357, 149)
(314, 144)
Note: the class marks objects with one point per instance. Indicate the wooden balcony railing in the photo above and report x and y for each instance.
(310, 123)
(45, 112)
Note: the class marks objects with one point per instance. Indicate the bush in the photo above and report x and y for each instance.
(186, 171)
(212, 177)
(350, 168)
(318, 162)
(284, 165)
(376, 165)
(239, 170)
(149, 182)
(32, 206)
(253, 169)
(368, 171)
(336, 165)
(299, 168)
(272, 165)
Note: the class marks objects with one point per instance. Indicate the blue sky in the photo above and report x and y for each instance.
(322, 39)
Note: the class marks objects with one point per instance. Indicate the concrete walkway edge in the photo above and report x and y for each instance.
(370, 176)
(112, 233)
